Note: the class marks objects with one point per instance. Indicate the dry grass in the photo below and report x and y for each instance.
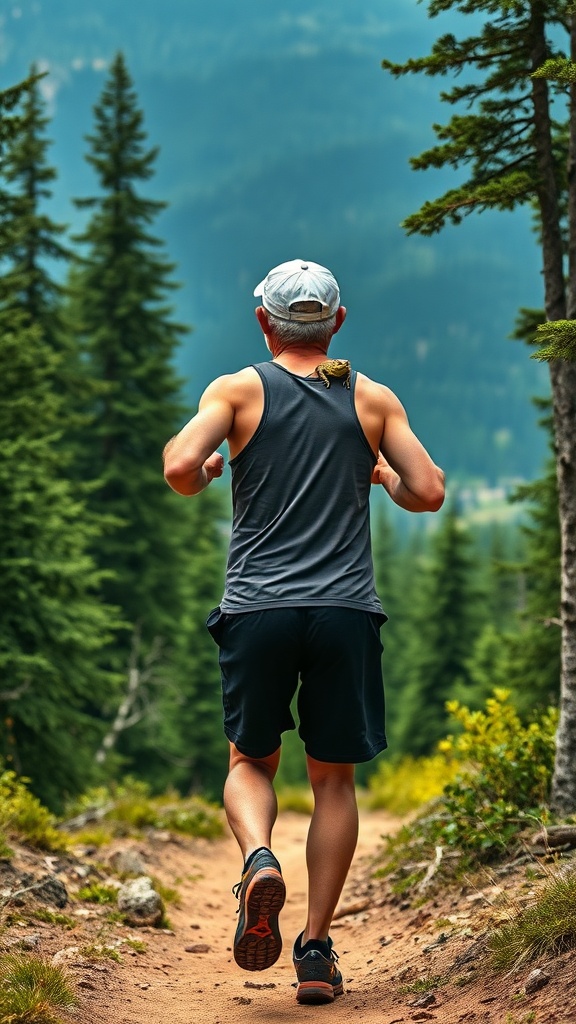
(546, 928)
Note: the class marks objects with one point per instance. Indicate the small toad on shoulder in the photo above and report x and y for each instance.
(334, 368)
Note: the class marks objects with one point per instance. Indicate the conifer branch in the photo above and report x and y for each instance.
(559, 340)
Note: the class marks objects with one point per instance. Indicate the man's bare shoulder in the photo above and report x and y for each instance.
(232, 387)
(373, 390)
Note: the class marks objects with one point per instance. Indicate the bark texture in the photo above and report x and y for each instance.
(563, 381)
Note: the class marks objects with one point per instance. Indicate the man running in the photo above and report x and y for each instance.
(307, 436)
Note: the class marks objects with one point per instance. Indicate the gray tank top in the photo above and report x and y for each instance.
(300, 490)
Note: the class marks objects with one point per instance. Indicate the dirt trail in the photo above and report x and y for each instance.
(386, 948)
(168, 984)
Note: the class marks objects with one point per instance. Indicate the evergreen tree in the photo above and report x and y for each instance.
(534, 653)
(447, 617)
(200, 728)
(517, 149)
(53, 623)
(129, 337)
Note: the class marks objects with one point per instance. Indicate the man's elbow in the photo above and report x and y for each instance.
(179, 476)
(435, 493)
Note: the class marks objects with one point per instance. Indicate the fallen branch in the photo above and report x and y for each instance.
(432, 869)
(352, 908)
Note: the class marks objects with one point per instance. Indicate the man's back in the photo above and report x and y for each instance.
(301, 484)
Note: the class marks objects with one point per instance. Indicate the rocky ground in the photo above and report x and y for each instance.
(402, 961)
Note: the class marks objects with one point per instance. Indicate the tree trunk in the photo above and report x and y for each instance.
(563, 378)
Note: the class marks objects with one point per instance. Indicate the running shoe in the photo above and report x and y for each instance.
(319, 979)
(261, 893)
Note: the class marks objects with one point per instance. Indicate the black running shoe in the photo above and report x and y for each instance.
(319, 979)
(261, 892)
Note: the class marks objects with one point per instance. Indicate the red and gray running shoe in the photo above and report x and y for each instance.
(261, 892)
(319, 979)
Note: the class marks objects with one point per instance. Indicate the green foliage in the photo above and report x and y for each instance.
(23, 817)
(409, 782)
(503, 772)
(95, 892)
(494, 138)
(558, 338)
(295, 798)
(130, 808)
(505, 778)
(446, 616)
(53, 623)
(33, 991)
(96, 951)
(546, 928)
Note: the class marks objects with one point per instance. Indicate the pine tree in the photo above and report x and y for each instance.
(201, 734)
(129, 337)
(517, 149)
(534, 653)
(53, 623)
(447, 618)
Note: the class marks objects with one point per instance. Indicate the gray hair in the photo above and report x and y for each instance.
(294, 332)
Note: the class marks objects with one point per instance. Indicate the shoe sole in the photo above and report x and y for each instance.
(260, 943)
(318, 992)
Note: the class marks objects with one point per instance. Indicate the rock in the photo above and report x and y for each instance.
(198, 947)
(140, 903)
(127, 862)
(535, 980)
(52, 890)
(426, 1000)
(26, 942)
(71, 954)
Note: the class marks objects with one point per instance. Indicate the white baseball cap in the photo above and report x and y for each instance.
(300, 290)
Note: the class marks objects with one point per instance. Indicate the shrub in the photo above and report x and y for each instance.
(408, 783)
(129, 807)
(502, 771)
(22, 816)
(505, 775)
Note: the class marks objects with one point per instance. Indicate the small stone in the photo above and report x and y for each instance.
(426, 1000)
(71, 954)
(52, 890)
(127, 862)
(257, 984)
(198, 947)
(536, 980)
(140, 903)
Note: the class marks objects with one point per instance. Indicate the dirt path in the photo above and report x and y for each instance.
(169, 984)
(392, 953)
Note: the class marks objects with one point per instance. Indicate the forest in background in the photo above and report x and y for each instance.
(280, 135)
(106, 668)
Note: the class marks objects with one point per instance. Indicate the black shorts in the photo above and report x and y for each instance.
(334, 652)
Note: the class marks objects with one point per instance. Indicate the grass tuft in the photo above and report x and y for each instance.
(95, 892)
(546, 928)
(33, 991)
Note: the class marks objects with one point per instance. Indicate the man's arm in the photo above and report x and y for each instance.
(190, 458)
(404, 467)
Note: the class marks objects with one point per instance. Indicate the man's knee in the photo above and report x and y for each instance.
(328, 773)
(267, 765)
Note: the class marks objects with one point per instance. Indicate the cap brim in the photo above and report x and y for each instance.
(259, 290)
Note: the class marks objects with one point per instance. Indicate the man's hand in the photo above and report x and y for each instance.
(383, 473)
(214, 466)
